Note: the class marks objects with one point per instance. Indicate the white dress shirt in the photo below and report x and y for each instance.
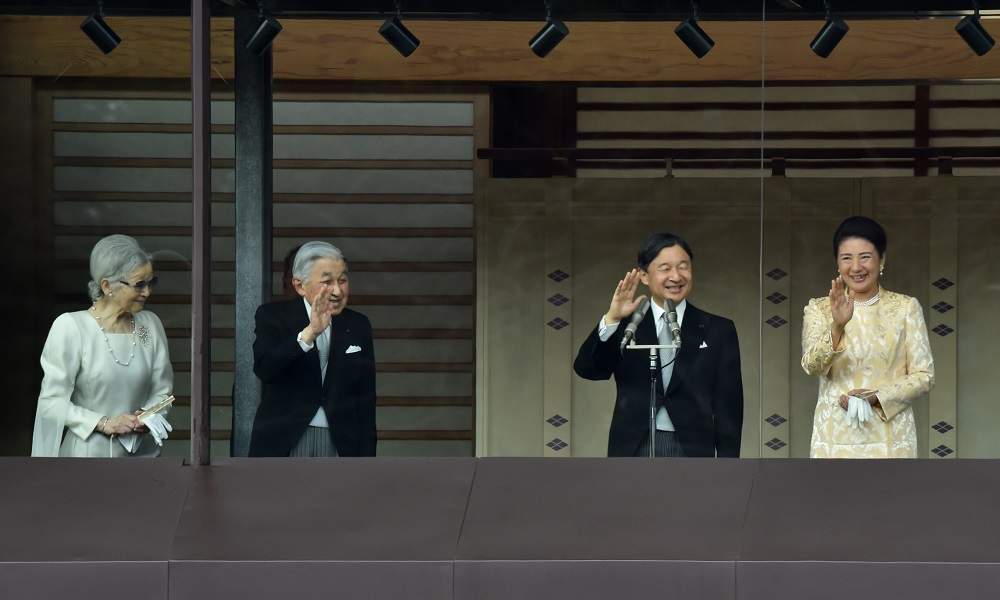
(606, 330)
(322, 342)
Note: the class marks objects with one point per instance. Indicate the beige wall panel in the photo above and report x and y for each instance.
(402, 418)
(626, 142)
(374, 147)
(837, 93)
(391, 351)
(373, 215)
(369, 181)
(968, 118)
(747, 93)
(418, 317)
(978, 325)
(673, 121)
(424, 384)
(838, 120)
(777, 314)
(420, 114)
(678, 171)
(136, 214)
(511, 363)
(222, 383)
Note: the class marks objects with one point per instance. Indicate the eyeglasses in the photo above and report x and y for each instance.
(141, 285)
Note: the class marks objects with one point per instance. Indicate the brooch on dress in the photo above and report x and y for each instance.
(143, 334)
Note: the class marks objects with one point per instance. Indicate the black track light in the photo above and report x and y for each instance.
(261, 39)
(692, 34)
(398, 35)
(549, 36)
(974, 34)
(99, 32)
(830, 35)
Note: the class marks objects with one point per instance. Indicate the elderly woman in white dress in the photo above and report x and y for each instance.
(869, 348)
(105, 364)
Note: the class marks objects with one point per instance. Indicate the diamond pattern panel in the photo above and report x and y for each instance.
(776, 274)
(775, 420)
(776, 321)
(943, 330)
(777, 298)
(942, 427)
(558, 275)
(557, 420)
(942, 451)
(775, 444)
(558, 299)
(557, 323)
(942, 307)
(557, 444)
(942, 284)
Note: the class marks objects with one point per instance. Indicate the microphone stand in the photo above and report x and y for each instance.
(654, 370)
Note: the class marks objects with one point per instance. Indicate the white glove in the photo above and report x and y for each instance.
(865, 412)
(859, 412)
(158, 427)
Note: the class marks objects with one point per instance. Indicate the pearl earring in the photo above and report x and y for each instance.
(881, 271)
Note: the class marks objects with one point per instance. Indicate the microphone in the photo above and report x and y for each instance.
(675, 328)
(640, 312)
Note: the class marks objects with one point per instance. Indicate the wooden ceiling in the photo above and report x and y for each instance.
(524, 10)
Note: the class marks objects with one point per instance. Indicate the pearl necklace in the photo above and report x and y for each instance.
(108, 342)
(869, 301)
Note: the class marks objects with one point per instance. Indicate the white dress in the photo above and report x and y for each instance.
(82, 384)
(884, 348)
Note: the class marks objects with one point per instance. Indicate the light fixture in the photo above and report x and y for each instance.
(99, 32)
(549, 36)
(974, 34)
(692, 35)
(830, 35)
(267, 30)
(397, 34)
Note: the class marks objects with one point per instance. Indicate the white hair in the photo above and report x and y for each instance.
(307, 256)
(114, 258)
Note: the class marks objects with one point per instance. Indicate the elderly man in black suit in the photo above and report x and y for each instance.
(701, 411)
(316, 361)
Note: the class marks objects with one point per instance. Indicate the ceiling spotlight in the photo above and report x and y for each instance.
(692, 35)
(398, 35)
(99, 32)
(550, 35)
(827, 39)
(267, 30)
(974, 34)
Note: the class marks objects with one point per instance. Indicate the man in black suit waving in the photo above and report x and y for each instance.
(701, 412)
(316, 361)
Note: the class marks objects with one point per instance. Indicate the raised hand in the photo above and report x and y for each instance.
(841, 304)
(841, 309)
(322, 312)
(623, 302)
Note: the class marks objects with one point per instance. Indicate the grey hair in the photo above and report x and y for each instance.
(307, 256)
(114, 258)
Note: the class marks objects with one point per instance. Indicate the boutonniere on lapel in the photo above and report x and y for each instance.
(143, 334)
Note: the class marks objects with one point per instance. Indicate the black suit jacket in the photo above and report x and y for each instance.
(705, 394)
(293, 389)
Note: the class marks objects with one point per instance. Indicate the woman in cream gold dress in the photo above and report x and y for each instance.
(865, 342)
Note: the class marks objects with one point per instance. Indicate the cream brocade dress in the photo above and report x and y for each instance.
(885, 348)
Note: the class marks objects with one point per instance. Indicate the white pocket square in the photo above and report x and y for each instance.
(703, 345)
(353, 349)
